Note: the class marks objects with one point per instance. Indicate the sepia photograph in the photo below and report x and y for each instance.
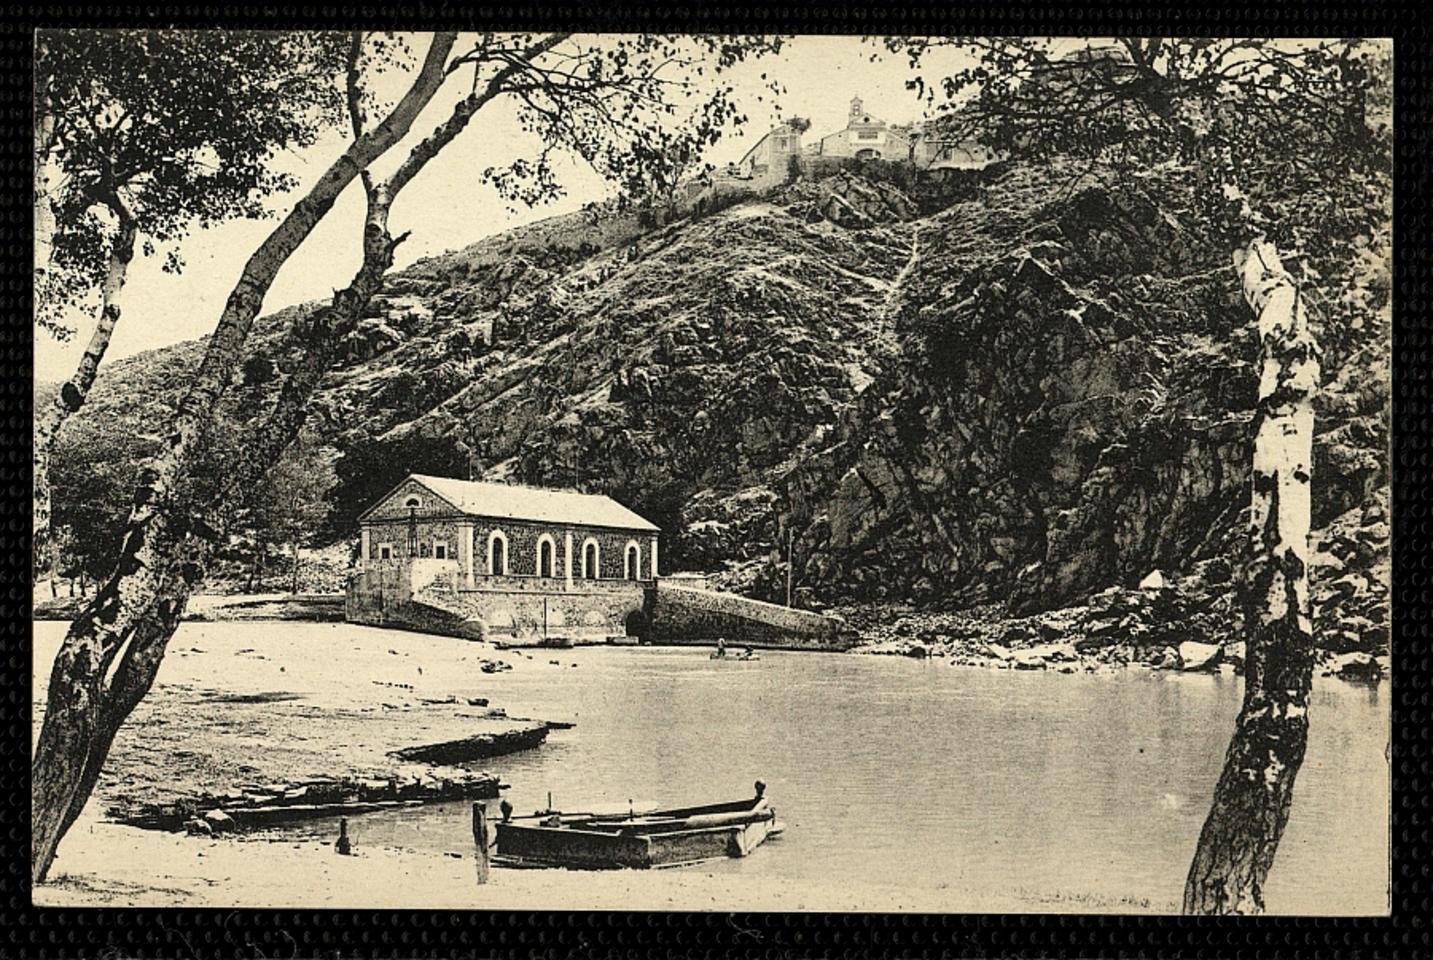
(711, 472)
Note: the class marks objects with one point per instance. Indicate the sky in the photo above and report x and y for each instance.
(446, 207)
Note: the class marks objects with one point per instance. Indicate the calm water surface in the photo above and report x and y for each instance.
(1073, 788)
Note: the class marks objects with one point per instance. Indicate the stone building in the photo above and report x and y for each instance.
(497, 561)
(521, 565)
(504, 530)
(865, 138)
(769, 159)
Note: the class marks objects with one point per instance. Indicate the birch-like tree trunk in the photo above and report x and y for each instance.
(134, 672)
(116, 644)
(43, 201)
(1255, 790)
(73, 392)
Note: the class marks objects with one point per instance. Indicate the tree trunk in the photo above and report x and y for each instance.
(285, 420)
(254, 568)
(130, 680)
(1255, 791)
(79, 722)
(44, 207)
(294, 585)
(72, 393)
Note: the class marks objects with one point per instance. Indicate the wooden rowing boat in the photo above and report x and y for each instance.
(662, 838)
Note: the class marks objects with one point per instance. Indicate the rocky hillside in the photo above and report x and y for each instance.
(1020, 387)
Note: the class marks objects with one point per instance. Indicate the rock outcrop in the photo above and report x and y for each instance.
(1022, 388)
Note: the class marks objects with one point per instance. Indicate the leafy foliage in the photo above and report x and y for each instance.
(291, 505)
(638, 109)
(91, 475)
(372, 467)
(172, 129)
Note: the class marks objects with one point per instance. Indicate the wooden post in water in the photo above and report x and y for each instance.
(480, 839)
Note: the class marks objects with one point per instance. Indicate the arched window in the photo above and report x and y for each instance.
(412, 502)
(497, 554)
(546, 556)
(632, 561)
(591, 559)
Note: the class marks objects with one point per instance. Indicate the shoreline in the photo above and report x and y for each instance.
(982, 636)
(222, 607)
(263, 871)
(282, 714)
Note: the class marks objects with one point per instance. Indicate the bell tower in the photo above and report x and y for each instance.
(856, 110)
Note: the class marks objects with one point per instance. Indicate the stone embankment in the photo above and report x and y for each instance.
(684, 615)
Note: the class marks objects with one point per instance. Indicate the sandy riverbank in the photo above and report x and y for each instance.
(313, 607)
(248, 710)
(114, 865)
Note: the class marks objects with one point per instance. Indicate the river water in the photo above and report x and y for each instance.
(1052, 790)
(1059, 790)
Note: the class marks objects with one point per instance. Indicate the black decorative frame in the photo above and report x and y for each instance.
(26, 931)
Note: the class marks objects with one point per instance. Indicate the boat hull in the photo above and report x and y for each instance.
(659, 840)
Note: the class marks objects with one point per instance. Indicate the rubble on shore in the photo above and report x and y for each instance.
(1188, 622)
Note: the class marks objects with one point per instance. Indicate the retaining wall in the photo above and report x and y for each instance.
(504, 609)
(430, 596)
(683, 615)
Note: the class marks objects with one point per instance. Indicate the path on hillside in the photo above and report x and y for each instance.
(885, 314)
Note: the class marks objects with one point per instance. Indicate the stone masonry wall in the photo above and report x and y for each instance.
(681, 615)
(522, 544)
(432, 597)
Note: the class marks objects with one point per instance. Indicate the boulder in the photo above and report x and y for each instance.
(1057, 652)
(198, 828)
(1198, 656)
(1028, 660)
(219, 822)
(1153, 581)
(997, 651)
(1356, 665)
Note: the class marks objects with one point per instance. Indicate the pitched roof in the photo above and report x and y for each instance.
(511, 502)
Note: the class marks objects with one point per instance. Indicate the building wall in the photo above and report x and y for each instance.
(887, 144)
(769, 161)
(962, 154)
(434, 598)
(522, 545)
